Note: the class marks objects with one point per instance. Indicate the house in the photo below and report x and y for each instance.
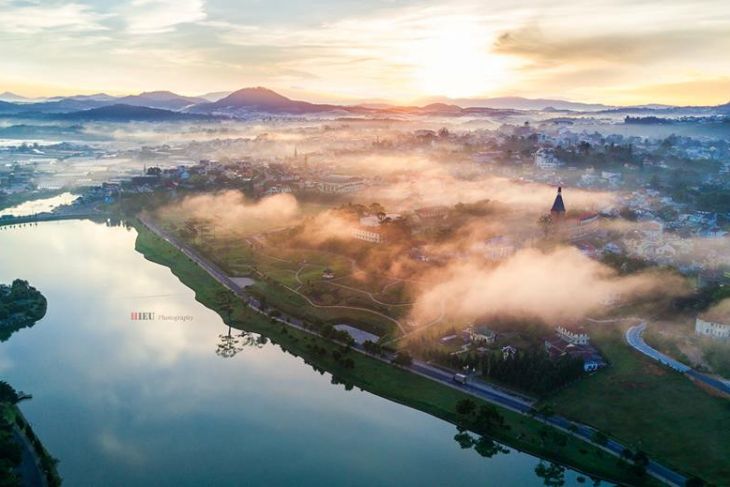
(508, 351)
(481, 334)
(573, 337)
(545, 159)
(328, 273)
(711, 326)
(557, 346)
(338, 184)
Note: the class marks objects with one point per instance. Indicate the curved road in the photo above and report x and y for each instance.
(634, 337)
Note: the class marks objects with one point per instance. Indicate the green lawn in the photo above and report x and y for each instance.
(524, 433)
(652, 408)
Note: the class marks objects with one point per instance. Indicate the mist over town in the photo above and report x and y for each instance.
(438, 244)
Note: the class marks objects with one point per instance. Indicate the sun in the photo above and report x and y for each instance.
(454, 60)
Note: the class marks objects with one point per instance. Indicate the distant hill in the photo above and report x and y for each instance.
(249, 102)
(129, 113)
(12, 97)
(262, 100)
(95, 97)
(520, 103)
(160, 99)
(215, 96)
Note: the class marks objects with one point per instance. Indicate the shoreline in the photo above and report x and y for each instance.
(178, 260)
(49, 476)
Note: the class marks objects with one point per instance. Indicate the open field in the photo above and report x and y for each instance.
(283, 272)
(523, 432)
(660, 403)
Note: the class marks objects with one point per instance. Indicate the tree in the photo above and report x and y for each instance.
(487, 448)
(553, 475)
(226, 303)
(465, 407)
(403, 359)
(546, 223)
(7, 393)
(464, 440)
(229, 345)
(488, 417)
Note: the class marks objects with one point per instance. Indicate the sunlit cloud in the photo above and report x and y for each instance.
(33, 18)
(159, 16)
(598, 51)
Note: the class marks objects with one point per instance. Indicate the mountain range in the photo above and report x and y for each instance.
(168, 106)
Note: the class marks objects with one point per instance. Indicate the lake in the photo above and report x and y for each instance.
(122, 401)
(42, 205)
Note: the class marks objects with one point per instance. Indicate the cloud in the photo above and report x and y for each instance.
(551, 48)
(31, 18)
(230, 210)
(160, 16)
(555, 286)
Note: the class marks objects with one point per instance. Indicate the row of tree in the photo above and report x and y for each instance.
(529, 370)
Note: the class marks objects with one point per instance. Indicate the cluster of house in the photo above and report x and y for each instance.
(565, 342)
(16, 178)
(574, 343)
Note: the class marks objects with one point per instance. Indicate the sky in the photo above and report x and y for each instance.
(609, 51)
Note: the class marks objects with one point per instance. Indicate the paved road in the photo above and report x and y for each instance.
(635, 339)
(475, 388)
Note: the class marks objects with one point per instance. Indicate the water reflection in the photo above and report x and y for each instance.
(124, 401)
(230, 344)
(40, 205)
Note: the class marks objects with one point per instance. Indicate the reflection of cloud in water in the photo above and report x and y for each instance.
(122, 452)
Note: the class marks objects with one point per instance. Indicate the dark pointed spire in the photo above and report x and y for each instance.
(558, 208)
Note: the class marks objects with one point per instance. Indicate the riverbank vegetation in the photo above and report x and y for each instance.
(15, 428)
(21, 306)
(353, 369)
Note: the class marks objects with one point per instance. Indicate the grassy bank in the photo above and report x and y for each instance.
(11, 419)
(523, 433)
(653, 409)
(45, 459)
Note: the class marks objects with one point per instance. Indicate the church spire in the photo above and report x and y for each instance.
(558, 209)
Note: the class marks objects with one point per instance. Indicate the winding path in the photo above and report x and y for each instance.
(634, 337)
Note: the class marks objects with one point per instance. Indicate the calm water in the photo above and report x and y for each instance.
(40, 205)
(124, 402)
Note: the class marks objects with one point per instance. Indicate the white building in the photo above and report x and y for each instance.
(572, 337)
(367, 235)
(713, 329)
(339, 184)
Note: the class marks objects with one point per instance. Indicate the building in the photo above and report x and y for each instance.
(560, 345)
(481, 334)
(710, 326)
(545, 159)
(367, 235)
(508, 351)
(572, 337)
(368, 231)
(338, 184)
(558, 209)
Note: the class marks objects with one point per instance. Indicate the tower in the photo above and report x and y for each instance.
(558, 209)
